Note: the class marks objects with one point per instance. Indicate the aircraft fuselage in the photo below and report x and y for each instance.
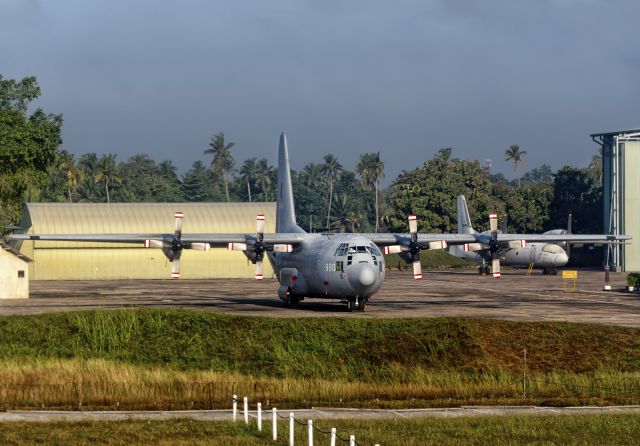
(335, 266)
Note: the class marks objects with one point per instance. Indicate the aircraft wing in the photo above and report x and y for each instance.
(215, 240)
(555, 238)
(387, 239)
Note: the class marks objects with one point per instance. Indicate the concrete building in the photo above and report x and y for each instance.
(14, 273)
(87, 261)
(621, 193)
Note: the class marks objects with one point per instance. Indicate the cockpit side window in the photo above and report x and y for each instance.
(374, 250)
(341, 249)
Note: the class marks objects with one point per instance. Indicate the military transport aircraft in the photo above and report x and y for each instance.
(349, 267)
(547, 256)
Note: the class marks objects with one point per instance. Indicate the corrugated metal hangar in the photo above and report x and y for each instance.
(87, 261)
(621, 194)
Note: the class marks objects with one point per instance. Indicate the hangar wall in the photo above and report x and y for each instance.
(631, 223)
(99, 261)
(621, 194)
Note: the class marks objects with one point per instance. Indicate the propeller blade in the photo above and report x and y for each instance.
(260, 226)
(259, 270)
(153, 243)
(175, 269)
(495, 267)
(394, 249)
(417, 270)
(438, 245)
(493, 223)
(282, 248)
(413, 227)
(517, 244)
(237, 246)
(179, 216)
(201, 246)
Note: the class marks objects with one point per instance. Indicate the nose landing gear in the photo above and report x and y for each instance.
(357, 303)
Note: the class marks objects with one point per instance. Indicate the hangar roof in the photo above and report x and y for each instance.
(118, 218)
(621, 132)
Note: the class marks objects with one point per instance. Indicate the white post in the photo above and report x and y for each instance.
(310, 432)
(235, 407)
(352, 440)
(332, 437)
(259, 417)
(246, 410)
(274, 423)
(291, 423)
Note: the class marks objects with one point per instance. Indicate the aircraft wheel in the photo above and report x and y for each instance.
(480, 270)
(294, 301)
(554, 271)
(546, 271)
(350, 305)
(363, 303)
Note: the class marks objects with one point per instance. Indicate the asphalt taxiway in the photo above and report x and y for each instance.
(515, 296)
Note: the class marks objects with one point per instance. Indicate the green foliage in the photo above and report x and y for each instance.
(199, 184)
(618, 429)
(528, 207)
(372, 350)
(575, 192)
(28, 146)
(633, 279)
(430, 193)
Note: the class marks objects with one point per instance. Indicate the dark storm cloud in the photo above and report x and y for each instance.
(405, 78)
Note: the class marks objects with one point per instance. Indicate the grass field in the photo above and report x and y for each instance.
(548, 430)
(169, 359)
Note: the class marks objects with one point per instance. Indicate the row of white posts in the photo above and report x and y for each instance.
(274, 423)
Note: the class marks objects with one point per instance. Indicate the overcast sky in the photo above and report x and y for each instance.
(404, 78)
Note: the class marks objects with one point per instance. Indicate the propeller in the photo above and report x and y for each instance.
(413, 248)
(172, 246)
(255, 251)
(493, 245)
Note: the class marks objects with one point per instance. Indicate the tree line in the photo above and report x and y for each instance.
(328, 196)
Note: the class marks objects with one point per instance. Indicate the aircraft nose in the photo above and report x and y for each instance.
(562, 259)
(362, 275)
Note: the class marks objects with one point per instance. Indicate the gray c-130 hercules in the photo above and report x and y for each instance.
(349, 267)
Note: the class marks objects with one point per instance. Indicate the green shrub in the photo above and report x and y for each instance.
(633, 279)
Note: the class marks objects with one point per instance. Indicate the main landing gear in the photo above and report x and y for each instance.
(291, 300)
(550, 270)
(357, 303)
(484, 270)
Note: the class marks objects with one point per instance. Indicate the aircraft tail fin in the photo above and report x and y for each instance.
(285, 211)
(464, 220)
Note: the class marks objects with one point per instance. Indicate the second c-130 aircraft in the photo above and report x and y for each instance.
(349, 267)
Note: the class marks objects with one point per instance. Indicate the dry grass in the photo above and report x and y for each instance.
(101, 384)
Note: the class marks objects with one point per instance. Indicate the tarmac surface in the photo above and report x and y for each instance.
(442, 293)
(317, 413)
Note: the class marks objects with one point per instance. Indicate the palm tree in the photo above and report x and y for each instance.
(72, 172)
(107, 172)
(371, 169)
(514, 154)
(264, 172)
(331, 169)
(312, 175)
(248, 173)
(168, 170)
(223, 161)
(344, 214)
(88, 192)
